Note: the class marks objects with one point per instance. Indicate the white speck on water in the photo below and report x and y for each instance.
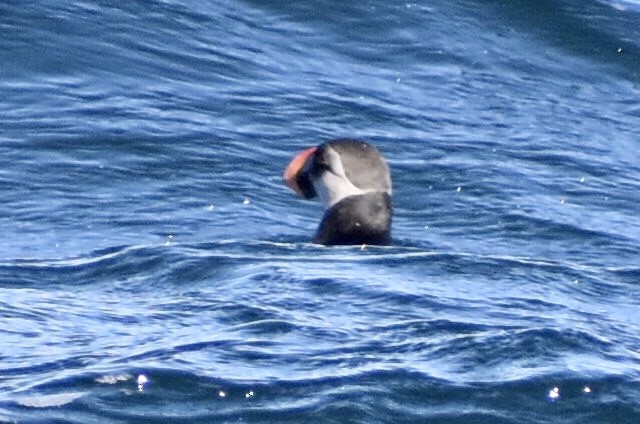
(582, 179)
(554, 393)
(249, 394)
(246, 201)
(222, 394)
(142, 380)
(459, 189)
(586, 389)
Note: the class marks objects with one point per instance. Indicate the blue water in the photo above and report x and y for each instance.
(153, 267)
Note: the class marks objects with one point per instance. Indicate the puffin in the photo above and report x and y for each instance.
(352, 180)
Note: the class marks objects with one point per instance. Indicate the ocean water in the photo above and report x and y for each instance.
(154, 268)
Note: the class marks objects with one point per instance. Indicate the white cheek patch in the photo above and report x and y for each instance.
(332, 188)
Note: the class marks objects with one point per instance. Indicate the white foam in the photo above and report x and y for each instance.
(48, 401)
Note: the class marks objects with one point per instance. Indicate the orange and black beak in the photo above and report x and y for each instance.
(296, 175)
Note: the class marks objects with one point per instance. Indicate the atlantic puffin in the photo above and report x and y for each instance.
(352, 180)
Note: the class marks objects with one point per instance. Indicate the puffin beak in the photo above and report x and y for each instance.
(295, 166)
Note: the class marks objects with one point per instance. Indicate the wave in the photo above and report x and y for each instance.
(373, 396)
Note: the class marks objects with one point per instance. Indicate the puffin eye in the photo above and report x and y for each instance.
(326, 160)
(325, 167)
(321, 165)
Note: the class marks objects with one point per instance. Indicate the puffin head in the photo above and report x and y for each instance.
(352, 180)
